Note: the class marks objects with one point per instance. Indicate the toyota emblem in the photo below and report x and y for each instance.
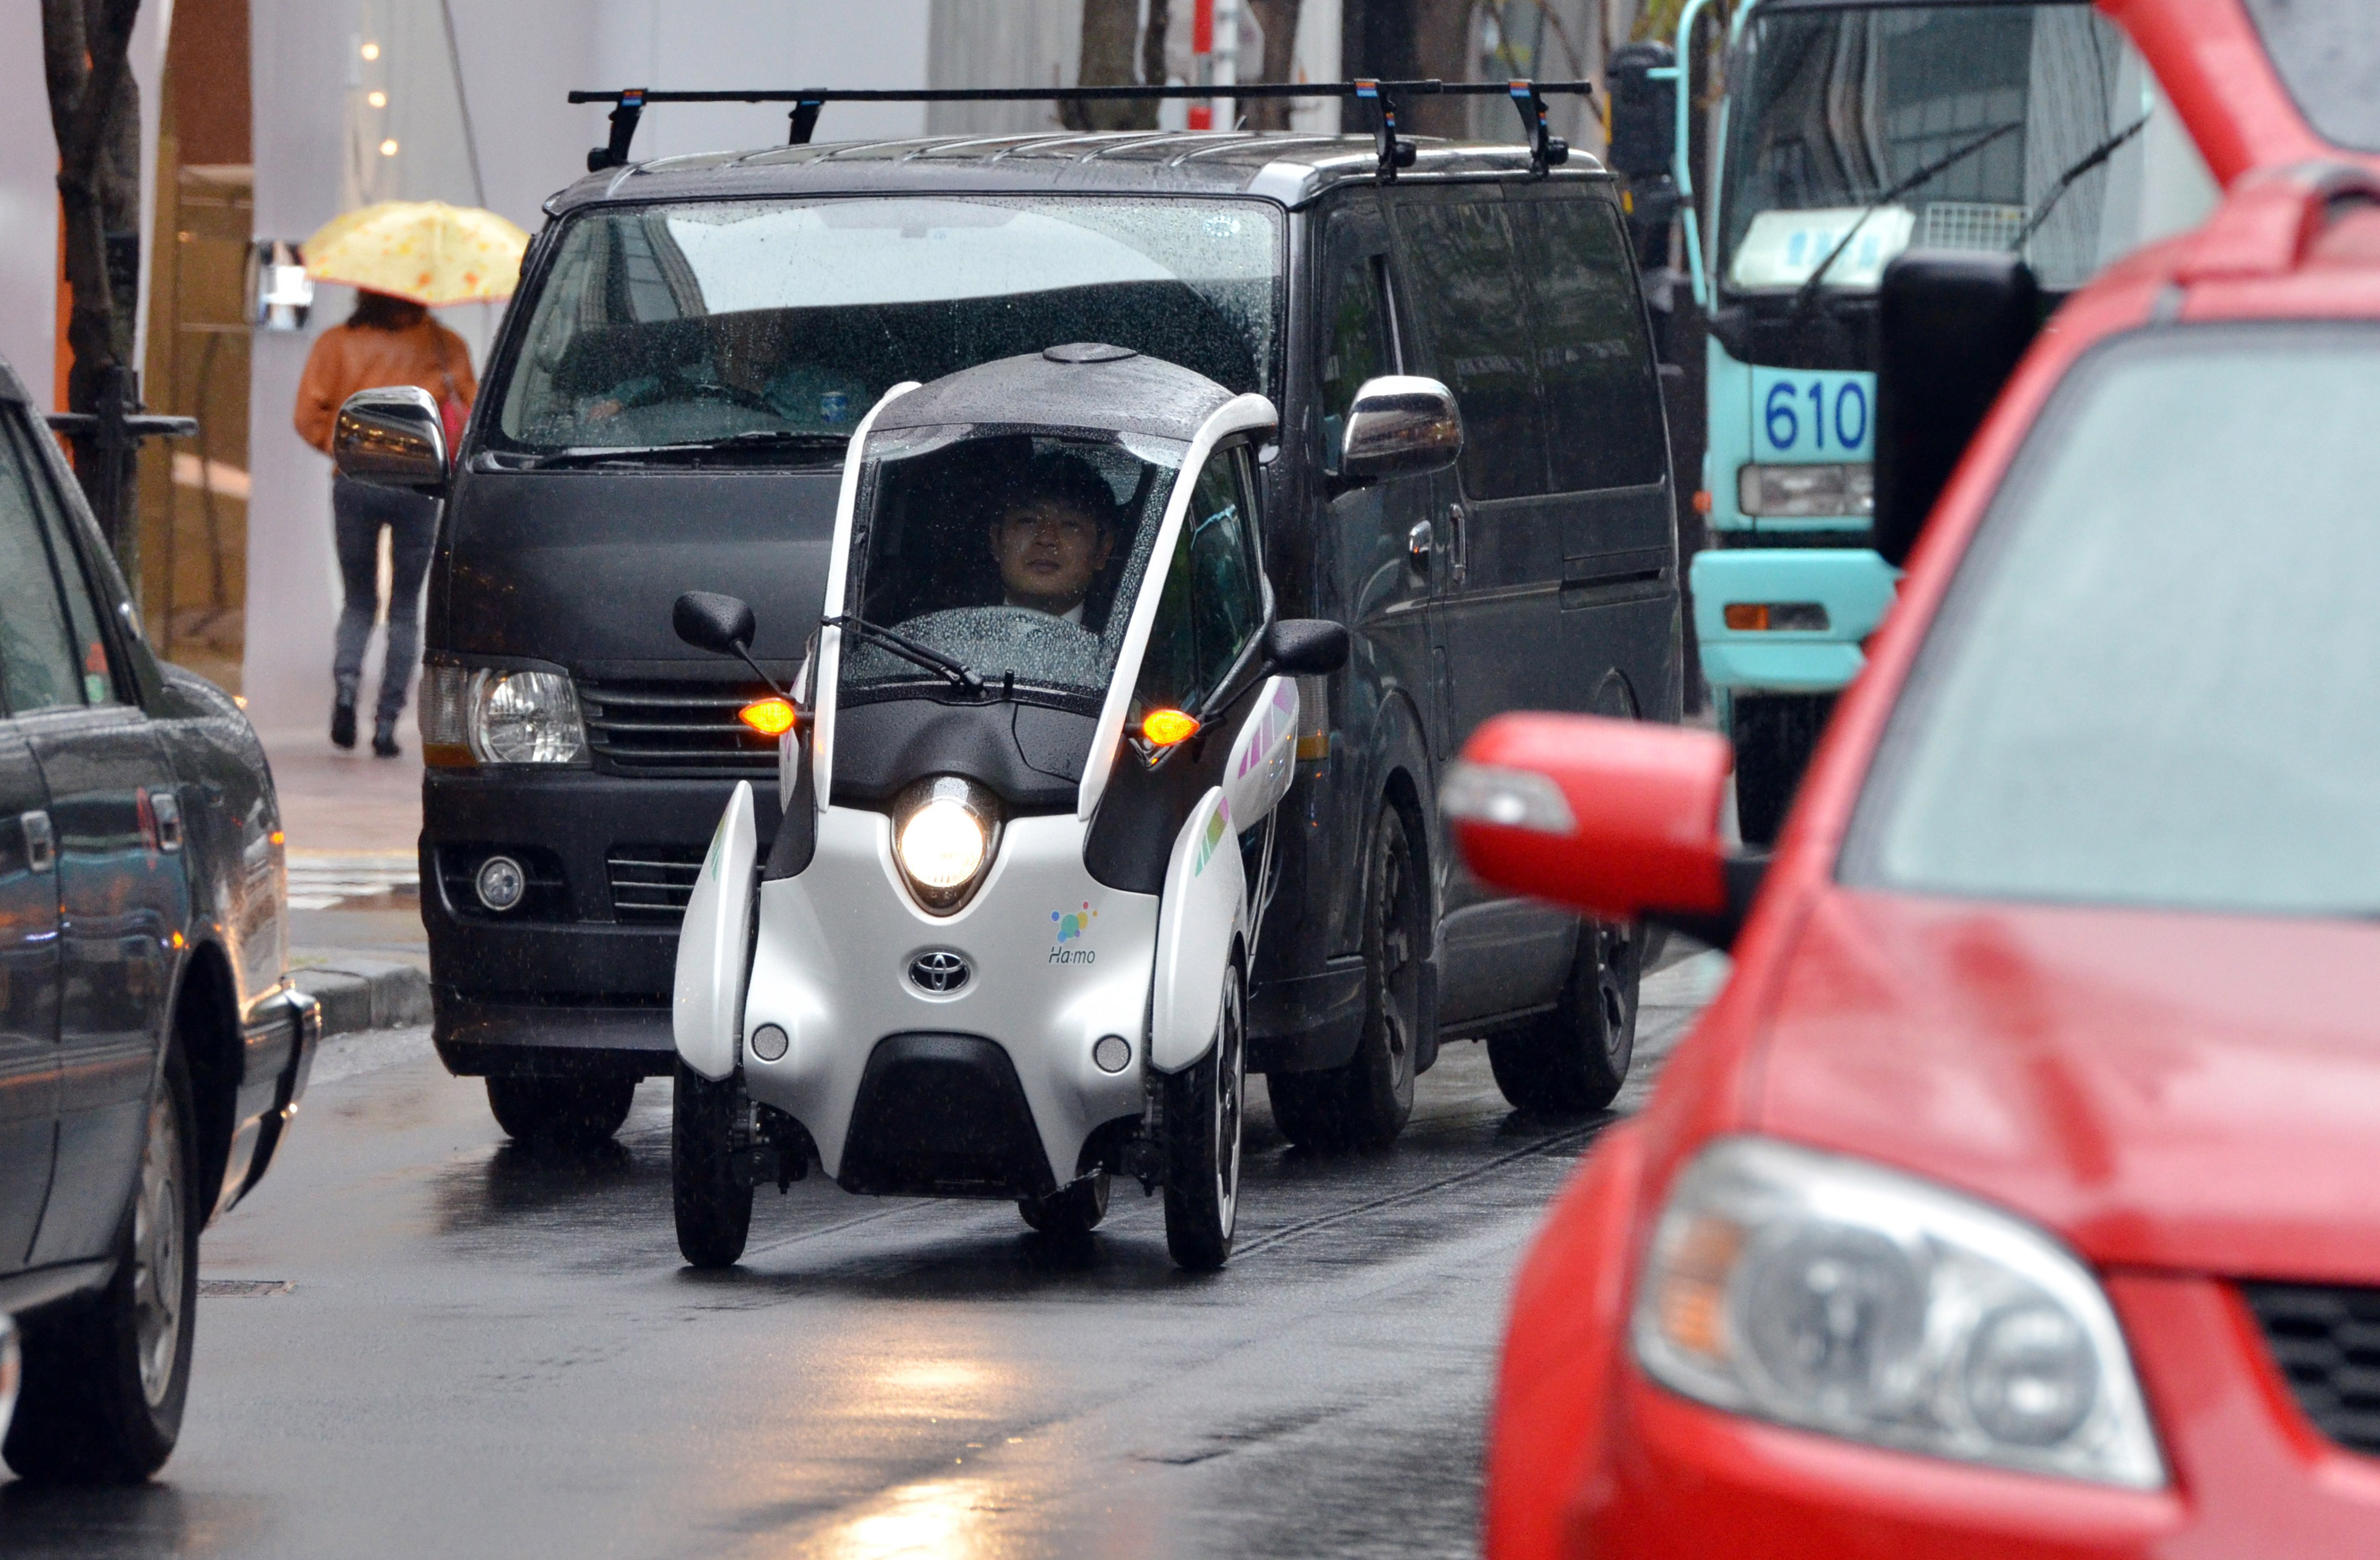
(939, 973)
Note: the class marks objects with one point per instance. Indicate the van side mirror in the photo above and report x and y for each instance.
(722, 625)
(1305, 647)
(1644, 110)
(1400, 425)
(1619, 819)
(1952, 325)
(391, 437)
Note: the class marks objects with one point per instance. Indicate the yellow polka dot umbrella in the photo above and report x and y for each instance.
(426, 251)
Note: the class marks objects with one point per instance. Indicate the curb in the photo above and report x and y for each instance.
(366, 993)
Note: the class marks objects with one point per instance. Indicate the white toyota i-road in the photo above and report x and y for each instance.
(1029, 774)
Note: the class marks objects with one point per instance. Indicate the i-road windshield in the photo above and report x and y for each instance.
(2151, 683)
(768, 328)
(1830, 112)
(1014, 554)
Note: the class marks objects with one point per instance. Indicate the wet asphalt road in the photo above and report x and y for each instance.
(418, 1340)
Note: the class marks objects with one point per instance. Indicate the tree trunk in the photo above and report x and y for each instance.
(1441, 35)
(95, 115)
(1278, 20)
(1109, 32)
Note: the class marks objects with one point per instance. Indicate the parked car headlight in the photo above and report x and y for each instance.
(1838, 1295)
(943, 832)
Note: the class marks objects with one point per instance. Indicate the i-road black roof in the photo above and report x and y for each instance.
(1082, 385)
(1280, 165)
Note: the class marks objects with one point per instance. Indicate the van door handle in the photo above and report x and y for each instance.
(1420, 543)
(1459, 545)
(40, 842)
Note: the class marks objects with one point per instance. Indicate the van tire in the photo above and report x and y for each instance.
(712, 1202)
(568, 1111)
(1575, 1058)
(106, 1375)
(1205, 1103)
(1071, 1210)
(1364, 1102)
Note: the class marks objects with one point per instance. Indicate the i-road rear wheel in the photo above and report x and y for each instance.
(713, 1202)
(1576, 1057)
(1075, 1210)
(1202, 1141)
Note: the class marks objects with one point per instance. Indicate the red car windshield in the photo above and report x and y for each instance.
(2153, 680)
(2328, 57)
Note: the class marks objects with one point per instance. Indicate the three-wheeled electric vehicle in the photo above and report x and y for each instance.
(1027, 773)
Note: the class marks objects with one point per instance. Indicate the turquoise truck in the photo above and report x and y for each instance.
(1840, 135)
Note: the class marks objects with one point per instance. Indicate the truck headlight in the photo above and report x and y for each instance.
(1806, 492)
(472, 715)
(943, 832)
(1838, 1295)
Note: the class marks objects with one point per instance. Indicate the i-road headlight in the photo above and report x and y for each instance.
(943, 832)
(1838, 1295)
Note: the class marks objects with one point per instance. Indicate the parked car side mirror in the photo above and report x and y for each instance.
(391, 437)
(1952, 325)
(1619, 819)
(1305, 647)
(722, 624)
(1400, 425)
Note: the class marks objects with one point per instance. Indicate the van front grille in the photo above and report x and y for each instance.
(2326, 1337)
(651, 882)
(673, 729)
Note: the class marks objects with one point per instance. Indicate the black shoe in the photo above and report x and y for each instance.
(342, 724)
(384, 740)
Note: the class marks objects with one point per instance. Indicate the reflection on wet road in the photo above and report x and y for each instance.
(481, 1350)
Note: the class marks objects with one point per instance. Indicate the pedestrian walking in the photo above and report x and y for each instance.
(387, 340)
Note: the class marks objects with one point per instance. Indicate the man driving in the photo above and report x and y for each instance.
(1053, 536)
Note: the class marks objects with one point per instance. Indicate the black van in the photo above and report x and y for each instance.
(667, 409)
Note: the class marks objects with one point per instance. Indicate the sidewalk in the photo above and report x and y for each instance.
(354, 896)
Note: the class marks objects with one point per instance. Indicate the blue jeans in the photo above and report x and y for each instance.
(358, 513)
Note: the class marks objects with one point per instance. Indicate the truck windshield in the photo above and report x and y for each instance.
(1831, 110)
(1015, 555)
(673, 324)
(2151, 683)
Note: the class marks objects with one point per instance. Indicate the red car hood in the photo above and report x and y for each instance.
(2181, 1091)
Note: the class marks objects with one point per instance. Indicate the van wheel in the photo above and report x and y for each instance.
(571, 1111)
(712, 1202)
(1576, 1057)
(1073, 1210)
(105, 1377)
(1365, 1102)
(1202, 1141)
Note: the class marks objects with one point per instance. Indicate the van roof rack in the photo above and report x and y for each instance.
(1546, 149)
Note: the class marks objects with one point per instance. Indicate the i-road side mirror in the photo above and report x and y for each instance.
(391, 437)
(1305, 647)
(1400, 425)
(1951, 326)
(1619, 819)
(722, 625)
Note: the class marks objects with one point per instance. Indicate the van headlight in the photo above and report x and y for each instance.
(483, 715)
(944, 830)
(1838, 1295)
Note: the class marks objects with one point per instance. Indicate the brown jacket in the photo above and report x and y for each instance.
(347, 358)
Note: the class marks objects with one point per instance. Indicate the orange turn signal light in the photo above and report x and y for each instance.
(1746, 617)
(1164, 728)
(771, 716)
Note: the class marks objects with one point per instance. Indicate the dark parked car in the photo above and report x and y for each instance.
(668, 408)
(152, 1051)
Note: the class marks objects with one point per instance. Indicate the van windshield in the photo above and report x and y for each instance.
(2151, 682)
(783, 322)
(1832, 109)
(1016, 556)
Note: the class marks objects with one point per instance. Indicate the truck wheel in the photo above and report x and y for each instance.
(105, 1377)
(1364, 1102)
(1074, 1209)
(573, 1111)
(1202, 1141)
(1576, 1057)
(712, 1202)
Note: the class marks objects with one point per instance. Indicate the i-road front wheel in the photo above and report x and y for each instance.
(1202, 1141)
(713, 1202)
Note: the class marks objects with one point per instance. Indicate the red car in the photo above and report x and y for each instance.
(2265, 83)
(2021, 1194)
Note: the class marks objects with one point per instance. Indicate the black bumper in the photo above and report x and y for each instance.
(943, 1115)
(563, 985)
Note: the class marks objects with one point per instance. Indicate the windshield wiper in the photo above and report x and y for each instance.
(760, 440)
(2091, 159)
(907, 649)
(1925, 175)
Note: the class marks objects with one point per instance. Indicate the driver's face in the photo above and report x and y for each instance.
(1049, 551)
